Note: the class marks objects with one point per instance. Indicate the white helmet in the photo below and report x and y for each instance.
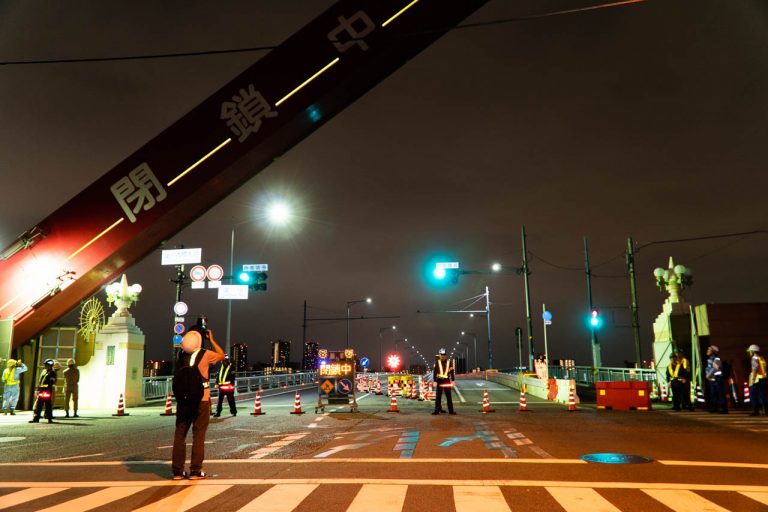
(441, 351)
(753, 348)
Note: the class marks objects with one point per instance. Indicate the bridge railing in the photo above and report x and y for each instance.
(588, 375)
(157, 388)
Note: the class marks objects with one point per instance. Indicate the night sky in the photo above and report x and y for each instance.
(646, 120)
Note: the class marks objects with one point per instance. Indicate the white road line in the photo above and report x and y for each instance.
(96, 499)
(19, 497)
(459, 393)
(186, 499)
(280, 498)
(541, 452)
(471, 498)
(74, 457)
(382, 498)
(580, 499)
(683, 501)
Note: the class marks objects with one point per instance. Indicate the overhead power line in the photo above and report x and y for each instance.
(226, 51)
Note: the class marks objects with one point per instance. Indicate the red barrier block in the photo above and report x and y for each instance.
(623, 396)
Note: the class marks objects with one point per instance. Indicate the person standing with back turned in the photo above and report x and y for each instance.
(193, 406)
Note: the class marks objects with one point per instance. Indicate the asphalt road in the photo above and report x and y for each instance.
(380, 461)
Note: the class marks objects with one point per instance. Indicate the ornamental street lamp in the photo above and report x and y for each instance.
(673, 279)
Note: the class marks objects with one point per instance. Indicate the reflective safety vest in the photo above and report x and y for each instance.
(43, 381)
(761, 372)
(9, 377)
(442, 373)
(223, 373)
(684, 362)
(673, 372)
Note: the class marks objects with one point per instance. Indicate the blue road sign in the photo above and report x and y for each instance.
(364, 362)
(547, 316)
(344, 386)
(177, 338)
(178, 328)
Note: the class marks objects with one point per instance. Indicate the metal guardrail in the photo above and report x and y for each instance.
(589, 375)
(157, 388)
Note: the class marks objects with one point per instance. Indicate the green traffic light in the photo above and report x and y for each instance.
(244, 277)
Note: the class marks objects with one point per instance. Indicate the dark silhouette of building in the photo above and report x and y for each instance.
(281, 353)
(309, 360)
(238, 355)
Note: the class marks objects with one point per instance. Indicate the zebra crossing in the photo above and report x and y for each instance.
(381, 495)
(737, 419)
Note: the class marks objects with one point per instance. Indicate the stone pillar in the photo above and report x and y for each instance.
(665, 337)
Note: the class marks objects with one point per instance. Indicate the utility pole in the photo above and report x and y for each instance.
(633, 292)
(488, 315)
(528, 303)
(596, 357)
(519, 336)
(180, 282)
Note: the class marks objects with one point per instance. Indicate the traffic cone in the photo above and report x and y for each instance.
(699, 396)
(168, 406)
(121, 407)
(297, 404)
(414, 393)
(664, 397)
(378, 387)
(572, 399)
(393, 404)
(486, 403)
(746, 394)
(257, 405)
(523, 403)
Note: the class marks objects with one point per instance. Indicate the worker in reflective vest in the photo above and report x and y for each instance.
(226, 386)
(716, 381)
(677, 376)
(44, 392)
(757, 381)
(686, 381)
(11, 380)
(443, 375)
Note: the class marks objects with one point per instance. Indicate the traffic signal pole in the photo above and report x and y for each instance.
(596, 357)
(633, 291)
(528, 304)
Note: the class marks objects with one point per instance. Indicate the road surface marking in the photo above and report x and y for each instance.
(461, 398)
(683, 501)
(96, 499)
(186, 499)
(471, 498)
(762, 497)
(713, 464)
(74, 457)
(541, 452)
(381, 498)
(11, 439)
(580, 499)
(273, 447)
(19, 497)
(280, 498)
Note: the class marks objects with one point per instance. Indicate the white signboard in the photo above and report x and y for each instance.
(197, 285)
(182, 256)
(258, 267)
(447, 264)
(233, 291)
(214, 284)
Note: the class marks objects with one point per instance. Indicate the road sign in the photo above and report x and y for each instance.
(178, 328)
(447, 264)
(179, 319)
(197, 285)
(215, 272)
(364, 362)
(214, 284)
(180, 308)
(547, 316)
(197, 273)
(344, 386)
(258, 267)
(327, 386)
(177, 338)
(233, 291)
(181, 256)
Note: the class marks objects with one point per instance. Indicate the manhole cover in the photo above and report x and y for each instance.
(615, 458)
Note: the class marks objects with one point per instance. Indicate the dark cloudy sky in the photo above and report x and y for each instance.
(647, 120)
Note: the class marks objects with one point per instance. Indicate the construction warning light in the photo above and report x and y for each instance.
(393, 362)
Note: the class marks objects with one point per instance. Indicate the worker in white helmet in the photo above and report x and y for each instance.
(757, 381)
(443, 375)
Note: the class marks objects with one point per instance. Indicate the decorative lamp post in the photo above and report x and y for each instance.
(123, 296)
(673, 280)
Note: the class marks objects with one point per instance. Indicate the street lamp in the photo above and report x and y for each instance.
(350, 303)
(278, 213)
(382, 329)
(466, 353)
(474, 339)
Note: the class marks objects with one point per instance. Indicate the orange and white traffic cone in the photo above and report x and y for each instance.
(168, 406)
(297, 404)
(393, 404)
(422, 391)
(257, 405)
(746, 394)
(523, 403)
(378, 387)
(414, 393)
(121, 407)
(664, 397)
(486, 403)
(572, 399)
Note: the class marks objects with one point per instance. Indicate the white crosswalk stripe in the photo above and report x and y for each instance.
(738, 419)
(382, 497)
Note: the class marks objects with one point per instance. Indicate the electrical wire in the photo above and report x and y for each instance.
(272, 47)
